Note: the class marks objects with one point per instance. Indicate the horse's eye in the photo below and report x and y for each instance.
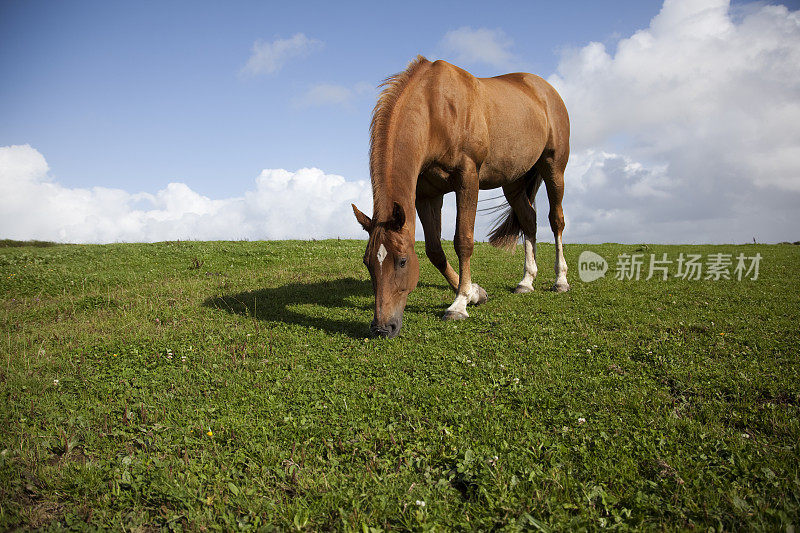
(403, 262)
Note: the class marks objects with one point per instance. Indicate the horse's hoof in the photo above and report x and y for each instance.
(454, 315)
(523, 289)
(482, 296)
(560, 287)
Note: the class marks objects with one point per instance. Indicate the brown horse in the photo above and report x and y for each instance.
(437, 129)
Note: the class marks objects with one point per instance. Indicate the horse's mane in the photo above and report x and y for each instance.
(379, 126)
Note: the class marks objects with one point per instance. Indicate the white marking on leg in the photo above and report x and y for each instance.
(459, 306)
(381, 255)
(560, 265)
(479, 295)
(473, 292)
(530, 264)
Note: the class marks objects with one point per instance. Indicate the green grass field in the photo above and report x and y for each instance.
(221, 385)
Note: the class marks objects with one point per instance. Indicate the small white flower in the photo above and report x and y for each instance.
(516, 380)
(55, 382)
(421, 503)
(581, 420)
(588, 350)
(745, 435)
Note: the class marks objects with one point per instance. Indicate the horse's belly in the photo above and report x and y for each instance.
(499, 172)
(434, 181)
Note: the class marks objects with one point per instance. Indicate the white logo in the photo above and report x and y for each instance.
(591, 266)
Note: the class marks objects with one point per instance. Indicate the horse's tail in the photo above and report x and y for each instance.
(507, 230)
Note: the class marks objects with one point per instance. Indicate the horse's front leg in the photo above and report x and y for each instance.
(466, 207)
(430, 215)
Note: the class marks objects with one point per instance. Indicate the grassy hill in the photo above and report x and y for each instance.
(219, 385)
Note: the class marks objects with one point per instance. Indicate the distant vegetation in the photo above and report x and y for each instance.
(10, 243)
(229, 385)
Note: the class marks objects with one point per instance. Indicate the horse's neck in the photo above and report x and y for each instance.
(399, 185)
(407, 143)
(401, 191)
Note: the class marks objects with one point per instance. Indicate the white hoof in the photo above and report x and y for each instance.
(523, 289)
(560, 286)
(454, 315)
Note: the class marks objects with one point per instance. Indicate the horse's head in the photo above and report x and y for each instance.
(393, 267)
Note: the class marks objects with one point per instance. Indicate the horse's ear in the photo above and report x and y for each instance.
(398, 219)
(363, 219)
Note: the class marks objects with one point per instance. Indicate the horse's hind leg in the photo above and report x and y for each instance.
(552, 171)
(522, 199)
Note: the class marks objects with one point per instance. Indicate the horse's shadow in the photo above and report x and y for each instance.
(339, 306)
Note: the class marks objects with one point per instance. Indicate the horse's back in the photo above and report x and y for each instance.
(508, 120)
(501, 99)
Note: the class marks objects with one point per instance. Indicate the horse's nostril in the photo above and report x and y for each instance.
(377, 330)
(388, 330)
(381, 332)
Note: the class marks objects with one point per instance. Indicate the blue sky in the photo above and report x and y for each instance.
(138, 94)
(135, 96)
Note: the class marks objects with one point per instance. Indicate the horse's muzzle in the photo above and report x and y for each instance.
(388, 330)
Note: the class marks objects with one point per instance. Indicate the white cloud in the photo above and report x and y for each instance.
(282, 205)
(270, 57)
(688, 131)
(332, 94)
(468, 46)
(305, 204)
